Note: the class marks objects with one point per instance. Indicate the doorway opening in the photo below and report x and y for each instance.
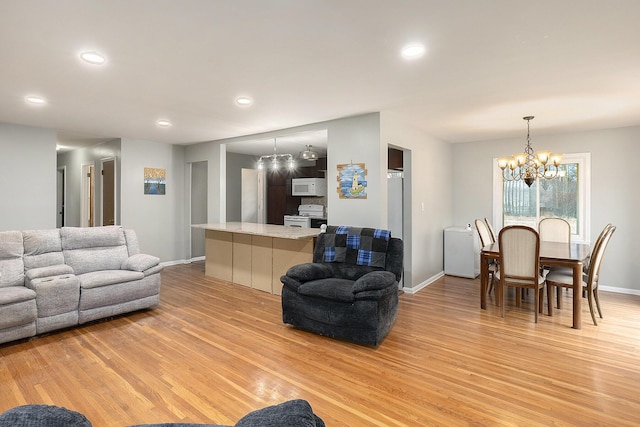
(399, 203)
(108, 191)
(61, 195)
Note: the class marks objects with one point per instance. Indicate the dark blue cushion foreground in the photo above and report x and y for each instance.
(293, 413)
(42, 416)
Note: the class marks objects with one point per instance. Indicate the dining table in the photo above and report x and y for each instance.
(571, 255)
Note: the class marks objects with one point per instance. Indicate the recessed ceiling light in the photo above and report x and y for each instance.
(92, 58)
(35, 100)
(413, 51)
(163, 123)
(244, 100)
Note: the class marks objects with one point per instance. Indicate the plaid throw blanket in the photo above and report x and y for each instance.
(355, 245)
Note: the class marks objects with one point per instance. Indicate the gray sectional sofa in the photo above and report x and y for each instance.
(53, 279)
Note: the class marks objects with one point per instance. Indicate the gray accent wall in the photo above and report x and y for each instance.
(428, 197)
(614, 192)
(235, 163)
(198, 208)
(27, 178)
(157, 219)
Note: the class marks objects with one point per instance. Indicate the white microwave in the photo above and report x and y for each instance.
(308, 187)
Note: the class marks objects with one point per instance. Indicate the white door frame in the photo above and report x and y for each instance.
(85, 189)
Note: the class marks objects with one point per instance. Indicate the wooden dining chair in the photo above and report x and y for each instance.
(585, 265)
(485, 239)
(520, 264)
(562, 279)
(554, 230)
(492, 234)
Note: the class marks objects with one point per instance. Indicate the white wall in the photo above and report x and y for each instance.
(615, 196)
(357, 140)
(157, 219)
(235, 163)
(428, 184)
(27, 178)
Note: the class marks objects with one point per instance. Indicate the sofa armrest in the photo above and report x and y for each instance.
(374, 281)
(290, 283)
(309, 271)
(49, 271)
(140, 262)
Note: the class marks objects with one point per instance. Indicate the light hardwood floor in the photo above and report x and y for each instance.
(213, 351)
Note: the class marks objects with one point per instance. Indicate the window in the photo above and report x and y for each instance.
(566, 197)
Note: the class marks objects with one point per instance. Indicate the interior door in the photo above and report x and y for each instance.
(108, 192)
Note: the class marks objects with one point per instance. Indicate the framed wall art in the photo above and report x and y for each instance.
(155, 181)
(352, 183)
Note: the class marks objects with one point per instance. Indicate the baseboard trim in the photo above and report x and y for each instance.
(182, 261)
(424, 284)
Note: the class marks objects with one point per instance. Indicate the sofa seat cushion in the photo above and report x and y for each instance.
(17, 308)
(95, 279)
(333, 288)
(14, 294)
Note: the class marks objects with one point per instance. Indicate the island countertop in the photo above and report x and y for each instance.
(267, 230)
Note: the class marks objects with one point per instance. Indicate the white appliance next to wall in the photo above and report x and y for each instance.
(461, 252)
(305, 214)
(308, 187)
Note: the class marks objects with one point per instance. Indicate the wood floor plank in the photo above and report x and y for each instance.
(213, 351)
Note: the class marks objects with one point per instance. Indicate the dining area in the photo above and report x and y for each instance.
(541, 261)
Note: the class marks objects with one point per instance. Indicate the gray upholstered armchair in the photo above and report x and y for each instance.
(350, 290)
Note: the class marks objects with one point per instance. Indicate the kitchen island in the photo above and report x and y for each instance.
(255, 255)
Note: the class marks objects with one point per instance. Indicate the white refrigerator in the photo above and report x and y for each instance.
(461, 252)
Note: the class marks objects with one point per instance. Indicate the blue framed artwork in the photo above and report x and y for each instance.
(155, 181)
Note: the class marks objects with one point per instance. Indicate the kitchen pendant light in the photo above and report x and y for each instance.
(276, 158)
(309, 154)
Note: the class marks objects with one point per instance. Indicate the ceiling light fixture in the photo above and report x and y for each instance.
(275, 159)
(413, 51)
(163, 123)
(244, 101)
(92, 58)
(36, 100)
(309, 154)
(528, 166)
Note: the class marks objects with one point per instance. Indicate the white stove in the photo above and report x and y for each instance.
(305, 214)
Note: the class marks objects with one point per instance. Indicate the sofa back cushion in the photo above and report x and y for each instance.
(11, 264)
(393, 260)
(42, 248)
(94, 248)
(132, 242)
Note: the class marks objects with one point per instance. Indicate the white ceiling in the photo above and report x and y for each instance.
(574, 64)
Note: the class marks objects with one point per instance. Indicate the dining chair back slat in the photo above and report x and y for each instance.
(554, 230)
(492, 233)
(483, 232)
